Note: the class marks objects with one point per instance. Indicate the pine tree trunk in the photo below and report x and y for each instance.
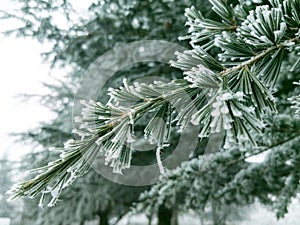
(149, 220)
(174, 219)
(103, 218)
(164, 215)
(217, 218)
(214, 215)
(201, 219)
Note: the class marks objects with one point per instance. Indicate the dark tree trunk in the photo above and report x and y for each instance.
(217, 215)
(103, 218)
(167, 216)
(174, 219)
(201, 219)
(149, 220)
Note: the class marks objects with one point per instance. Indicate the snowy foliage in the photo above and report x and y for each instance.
(230, 80)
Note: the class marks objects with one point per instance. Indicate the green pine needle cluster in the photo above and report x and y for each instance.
(231, 93)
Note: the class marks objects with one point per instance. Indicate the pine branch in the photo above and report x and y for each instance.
(186, 174)
(293, 138)
(268, 51)
(108, 128)
(212, 95)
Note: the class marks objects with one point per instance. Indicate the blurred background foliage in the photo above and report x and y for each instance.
(75, 39)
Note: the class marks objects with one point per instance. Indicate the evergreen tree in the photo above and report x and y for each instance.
(108, 24)
(236, 74)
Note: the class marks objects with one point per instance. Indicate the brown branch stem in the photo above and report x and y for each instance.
(257, 57)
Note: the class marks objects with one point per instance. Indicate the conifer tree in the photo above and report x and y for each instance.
(235, 76)
(107, 24)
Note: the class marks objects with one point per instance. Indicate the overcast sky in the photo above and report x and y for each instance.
(22, 71)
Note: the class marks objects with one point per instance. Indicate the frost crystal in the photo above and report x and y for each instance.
(201, 76)
(220, 113)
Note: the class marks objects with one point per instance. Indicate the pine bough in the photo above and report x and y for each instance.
(231, 93)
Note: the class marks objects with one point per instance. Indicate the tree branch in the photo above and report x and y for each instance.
(257, 57)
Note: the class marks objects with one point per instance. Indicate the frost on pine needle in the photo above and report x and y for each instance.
(201, 76)
(295, 101)
(263, 27)
(230, 93)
